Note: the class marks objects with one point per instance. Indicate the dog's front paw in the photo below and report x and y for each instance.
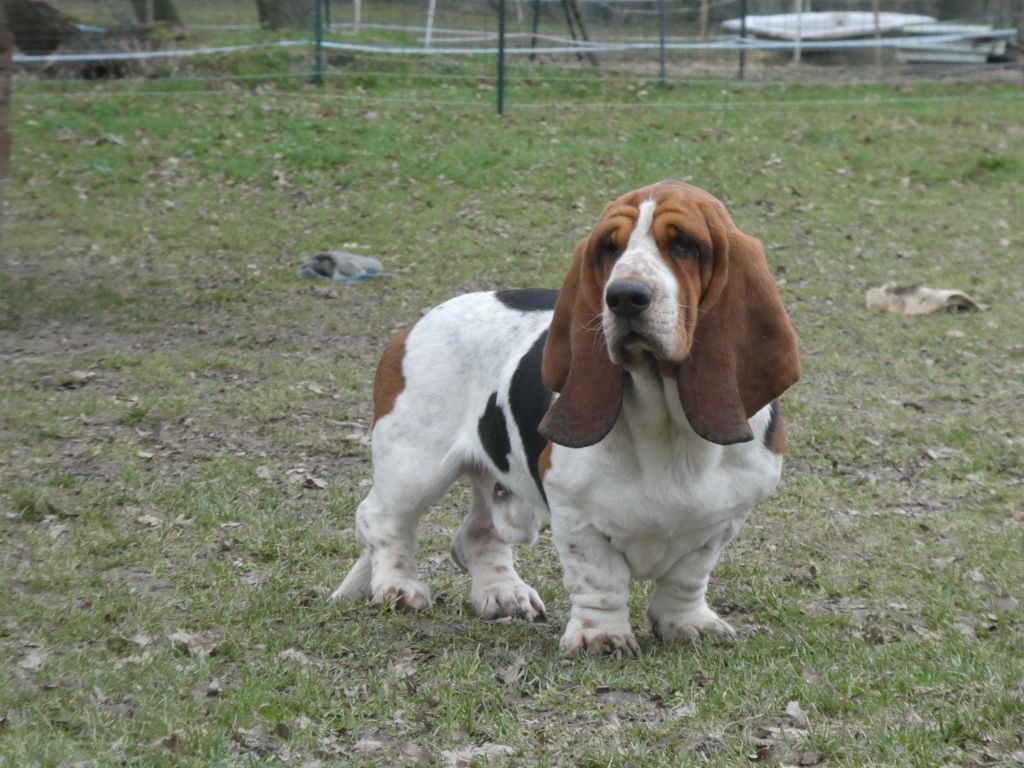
(402, 594)
(511, 597)
(590, 637)
(691, 626)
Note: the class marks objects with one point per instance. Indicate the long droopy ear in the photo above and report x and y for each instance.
(744, 352)
(576, 362)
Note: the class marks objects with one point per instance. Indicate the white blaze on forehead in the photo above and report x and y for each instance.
(641, 260)
(641, 236)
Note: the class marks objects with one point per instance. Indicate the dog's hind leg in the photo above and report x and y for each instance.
(386, 527)
(496, 589)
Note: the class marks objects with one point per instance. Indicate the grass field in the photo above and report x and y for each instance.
(184, 424)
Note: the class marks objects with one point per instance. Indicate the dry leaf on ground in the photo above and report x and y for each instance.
(33, 660)
(462, 757)
(917, 299)
(783, 733)
(372, 743)
(796, 713)
(404, 667)
(684, 710)
(172, 742)
(77, 379)
(515, 671)
(256, 739)
(294, 654)
(416, 753)
(359, 438)
(1005, 603)
(197, 644)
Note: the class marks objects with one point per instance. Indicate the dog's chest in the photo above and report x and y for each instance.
(660, 500)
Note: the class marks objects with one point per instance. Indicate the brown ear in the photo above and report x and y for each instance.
(576, 363)
(744, 352)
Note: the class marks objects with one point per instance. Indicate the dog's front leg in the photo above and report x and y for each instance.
(597, 578)
(679, 609)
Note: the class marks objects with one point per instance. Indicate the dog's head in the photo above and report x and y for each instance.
(666, 282)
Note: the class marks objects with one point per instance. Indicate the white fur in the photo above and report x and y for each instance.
(456, 356)
(652, 500)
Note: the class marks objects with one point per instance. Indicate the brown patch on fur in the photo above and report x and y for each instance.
(775, 439)
(588, 624)
(389, 382)
(744, 352)
(544, 462)
(576, 362)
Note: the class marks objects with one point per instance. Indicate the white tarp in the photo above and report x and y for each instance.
(825, 25)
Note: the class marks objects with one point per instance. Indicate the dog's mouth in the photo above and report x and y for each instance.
(631, 348)
(633, 340)
(634, 344)
(636, 349)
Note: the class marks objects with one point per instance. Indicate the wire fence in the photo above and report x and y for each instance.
(665, 40)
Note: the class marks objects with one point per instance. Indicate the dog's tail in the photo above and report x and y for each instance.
(357, 583)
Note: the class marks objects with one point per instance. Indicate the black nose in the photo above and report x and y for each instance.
(627, 299)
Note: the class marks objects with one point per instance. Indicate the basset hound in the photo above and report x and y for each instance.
(636, 409)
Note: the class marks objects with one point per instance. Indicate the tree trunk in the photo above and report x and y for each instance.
(286, 14)
(577, 18)
(38, 27)
(161, 10)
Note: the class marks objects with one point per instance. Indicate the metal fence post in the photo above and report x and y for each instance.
(661, 39)
(533, 34)
(743, 39)
(501, 57)
(318, 36)
(6, 50)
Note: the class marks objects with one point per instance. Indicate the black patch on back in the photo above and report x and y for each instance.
(528, 299)
(494, 434)
(529, 399)
(773, 425)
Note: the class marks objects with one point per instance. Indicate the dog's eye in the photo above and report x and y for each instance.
(607, 250)
(682, 248)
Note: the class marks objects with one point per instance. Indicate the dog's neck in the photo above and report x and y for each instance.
(651, 410)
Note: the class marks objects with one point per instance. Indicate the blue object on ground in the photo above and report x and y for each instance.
(342, 267)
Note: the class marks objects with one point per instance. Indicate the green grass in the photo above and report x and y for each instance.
(168, 492)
